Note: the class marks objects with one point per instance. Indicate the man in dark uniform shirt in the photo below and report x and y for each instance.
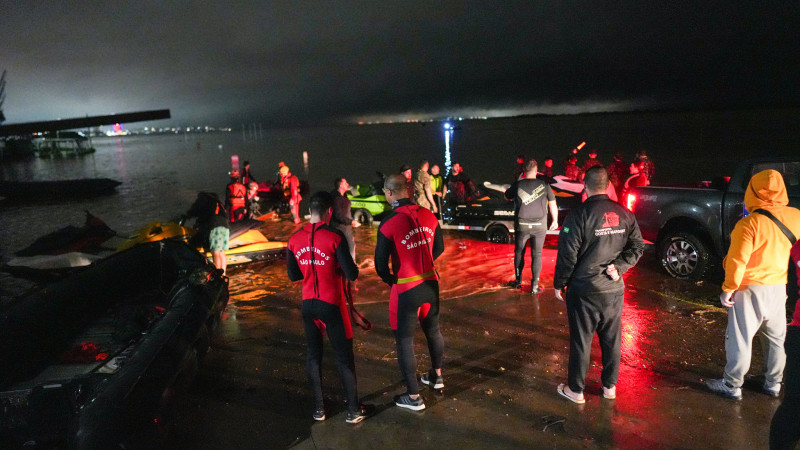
(600, 240)
(318, 255)
(532, 198)
(411, 237)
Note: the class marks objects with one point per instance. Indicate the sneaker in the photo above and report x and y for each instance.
(610, 393)
(405, 401)
(772, 389)
(358, 415)
(567, 393)
(432, 380)
(721, 387)
(319, 414)
(514, 284)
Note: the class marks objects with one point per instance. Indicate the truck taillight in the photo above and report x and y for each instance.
(630, 202)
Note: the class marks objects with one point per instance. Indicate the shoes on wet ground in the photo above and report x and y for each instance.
(536, 290)
(567, 393)
(772, 389)
(360, 414)
(514, 284)
(610, 393)
(405, 401)
(319, 414)
(432, 380)
(721, 387)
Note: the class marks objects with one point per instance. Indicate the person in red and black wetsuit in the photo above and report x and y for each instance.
(784, 432)
(318, 254)
(411, 237)
(235, 198)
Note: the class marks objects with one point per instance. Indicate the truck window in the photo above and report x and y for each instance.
(790, 171)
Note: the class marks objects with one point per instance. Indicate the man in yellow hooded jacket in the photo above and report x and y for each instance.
(754, 290)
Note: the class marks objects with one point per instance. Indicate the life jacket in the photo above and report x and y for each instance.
(238, 193)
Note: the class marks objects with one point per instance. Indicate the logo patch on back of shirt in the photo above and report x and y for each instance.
(527, 198)
(610, 219)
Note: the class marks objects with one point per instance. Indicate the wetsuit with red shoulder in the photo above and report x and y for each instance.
(411, 238)
(319, 255)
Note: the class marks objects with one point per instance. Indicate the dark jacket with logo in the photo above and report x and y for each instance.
(597, 233)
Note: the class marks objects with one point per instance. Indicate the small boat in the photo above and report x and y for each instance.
(97, 359)
(53, 190)
(65, 145)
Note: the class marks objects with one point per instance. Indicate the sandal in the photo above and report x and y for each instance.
(567, 393)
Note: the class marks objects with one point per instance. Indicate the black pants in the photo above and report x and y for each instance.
(410, 308)
(536, 233)
(784, 433)
(588, 313)
(331, 316)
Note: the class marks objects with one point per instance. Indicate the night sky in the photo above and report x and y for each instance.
(296, 62)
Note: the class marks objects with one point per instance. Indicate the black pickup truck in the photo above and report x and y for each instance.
(692, 226)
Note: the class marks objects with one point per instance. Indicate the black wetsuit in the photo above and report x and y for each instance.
(319, 255)
(596, 234)
(530, 197)
(411, 237)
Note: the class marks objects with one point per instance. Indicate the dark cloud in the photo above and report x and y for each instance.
(287, 62)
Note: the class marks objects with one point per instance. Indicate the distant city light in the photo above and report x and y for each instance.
(447, 126)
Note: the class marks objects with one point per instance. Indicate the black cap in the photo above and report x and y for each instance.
(404, 167)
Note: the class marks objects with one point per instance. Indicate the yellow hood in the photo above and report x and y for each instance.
(766, 190)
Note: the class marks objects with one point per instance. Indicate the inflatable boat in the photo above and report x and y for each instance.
(95, 360)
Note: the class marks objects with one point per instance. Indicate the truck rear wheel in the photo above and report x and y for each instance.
(684, 256)
(363, 217)
(498, 234)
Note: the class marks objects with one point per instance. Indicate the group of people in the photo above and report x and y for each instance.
(621, 174)
(600, 240)
(428, 188)
(322, 256)
(241, 194)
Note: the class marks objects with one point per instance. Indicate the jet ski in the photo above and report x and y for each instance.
(565, 187)
(246, 243)
(61, 251)
(54, 255)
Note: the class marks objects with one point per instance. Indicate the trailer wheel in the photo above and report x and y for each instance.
(684, 256)
(363, 217)
(498, 234)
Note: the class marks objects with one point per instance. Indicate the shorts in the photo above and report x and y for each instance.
(218, 239)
